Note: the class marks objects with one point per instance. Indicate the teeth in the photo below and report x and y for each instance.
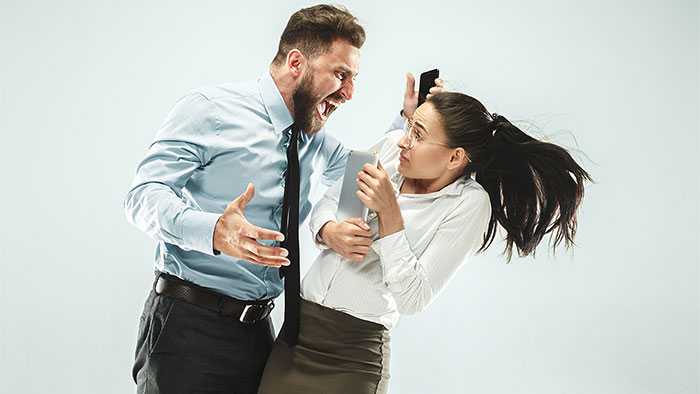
(325, 108)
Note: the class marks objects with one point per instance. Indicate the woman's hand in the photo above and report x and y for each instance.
(350, 238)
(377, 193)
(376, 190)
(410, 97)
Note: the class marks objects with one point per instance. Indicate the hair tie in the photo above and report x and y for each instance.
(496, 123)
(497, 143)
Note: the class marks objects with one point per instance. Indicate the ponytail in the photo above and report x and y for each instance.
(535, 187)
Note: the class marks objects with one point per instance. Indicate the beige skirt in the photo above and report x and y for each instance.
(335, 353)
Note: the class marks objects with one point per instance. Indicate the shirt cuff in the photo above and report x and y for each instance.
(319, 243)
(316, 223)
(394, 252)
(198, 230)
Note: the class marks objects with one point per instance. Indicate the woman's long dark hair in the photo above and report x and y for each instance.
(535, 187)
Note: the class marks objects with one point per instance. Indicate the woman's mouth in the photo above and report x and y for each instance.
(402, 157)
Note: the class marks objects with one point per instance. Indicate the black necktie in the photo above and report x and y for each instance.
(290, 229)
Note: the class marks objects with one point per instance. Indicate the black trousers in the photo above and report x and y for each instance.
(184, 348)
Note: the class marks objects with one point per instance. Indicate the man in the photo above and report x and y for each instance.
(206, 325)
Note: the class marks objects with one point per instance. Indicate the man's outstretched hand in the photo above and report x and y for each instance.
(236, 237)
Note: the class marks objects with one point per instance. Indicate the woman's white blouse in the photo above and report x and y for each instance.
(403, 272)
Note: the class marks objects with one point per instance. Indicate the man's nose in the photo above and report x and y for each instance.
(347, 90)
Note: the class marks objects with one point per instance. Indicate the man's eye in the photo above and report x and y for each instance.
(340, 76)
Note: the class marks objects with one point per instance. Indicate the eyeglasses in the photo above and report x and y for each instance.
(413, 136)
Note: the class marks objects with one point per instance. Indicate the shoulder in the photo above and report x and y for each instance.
(230, 91)
(388, 147)
(327, 143)
(473, 199)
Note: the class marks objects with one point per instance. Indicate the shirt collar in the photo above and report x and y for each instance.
(274, 103)
(276, 107)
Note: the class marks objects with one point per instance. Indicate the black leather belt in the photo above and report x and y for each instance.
(246, 311)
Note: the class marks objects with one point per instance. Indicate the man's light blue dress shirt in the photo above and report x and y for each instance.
(212, 144)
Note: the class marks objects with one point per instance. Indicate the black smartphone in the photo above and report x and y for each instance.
(427, 81)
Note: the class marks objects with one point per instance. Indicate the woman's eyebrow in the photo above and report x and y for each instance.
(420, 125)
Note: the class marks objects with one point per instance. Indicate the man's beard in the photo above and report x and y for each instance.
(305, 106)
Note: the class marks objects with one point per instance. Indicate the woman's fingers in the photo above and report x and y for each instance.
(410, 85)
(361, 241)
(364, 198)
(363, 250)
(373, 171)
(359, 223)
(367, 178)
(439, 87)
(362, 185)
(357, 257)
(360, 232)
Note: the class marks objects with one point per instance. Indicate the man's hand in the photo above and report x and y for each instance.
(236, 237)
(410, 97)
(350, 238)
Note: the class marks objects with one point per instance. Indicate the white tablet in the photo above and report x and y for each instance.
(349, 205)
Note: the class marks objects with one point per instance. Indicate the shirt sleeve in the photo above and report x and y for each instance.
(337, 154)
(398, 123)
(324, 211)
(154, 203)
(336, 158)
(415, 280)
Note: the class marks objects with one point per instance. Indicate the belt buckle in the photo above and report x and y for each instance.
(249, 312)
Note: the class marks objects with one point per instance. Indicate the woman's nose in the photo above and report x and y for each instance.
(403, 142)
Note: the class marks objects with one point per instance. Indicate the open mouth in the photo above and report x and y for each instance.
(325, 108)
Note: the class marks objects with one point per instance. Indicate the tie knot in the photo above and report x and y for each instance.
(294, 129)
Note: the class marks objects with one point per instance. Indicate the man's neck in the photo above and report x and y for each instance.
(285, 84)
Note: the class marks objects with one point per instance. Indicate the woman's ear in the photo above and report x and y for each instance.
(459, 158)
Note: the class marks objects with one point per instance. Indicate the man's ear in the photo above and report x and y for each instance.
(296, 62)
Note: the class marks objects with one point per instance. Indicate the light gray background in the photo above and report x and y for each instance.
(86, 84)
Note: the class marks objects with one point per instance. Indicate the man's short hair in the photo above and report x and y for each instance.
(313, 30)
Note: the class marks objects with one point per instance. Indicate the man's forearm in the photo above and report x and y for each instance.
(155, 209)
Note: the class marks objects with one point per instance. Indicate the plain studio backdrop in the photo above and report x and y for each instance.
(85, 85)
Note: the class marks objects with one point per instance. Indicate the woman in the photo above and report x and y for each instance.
(448, 179)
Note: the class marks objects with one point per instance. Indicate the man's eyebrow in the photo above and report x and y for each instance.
(347, 70)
